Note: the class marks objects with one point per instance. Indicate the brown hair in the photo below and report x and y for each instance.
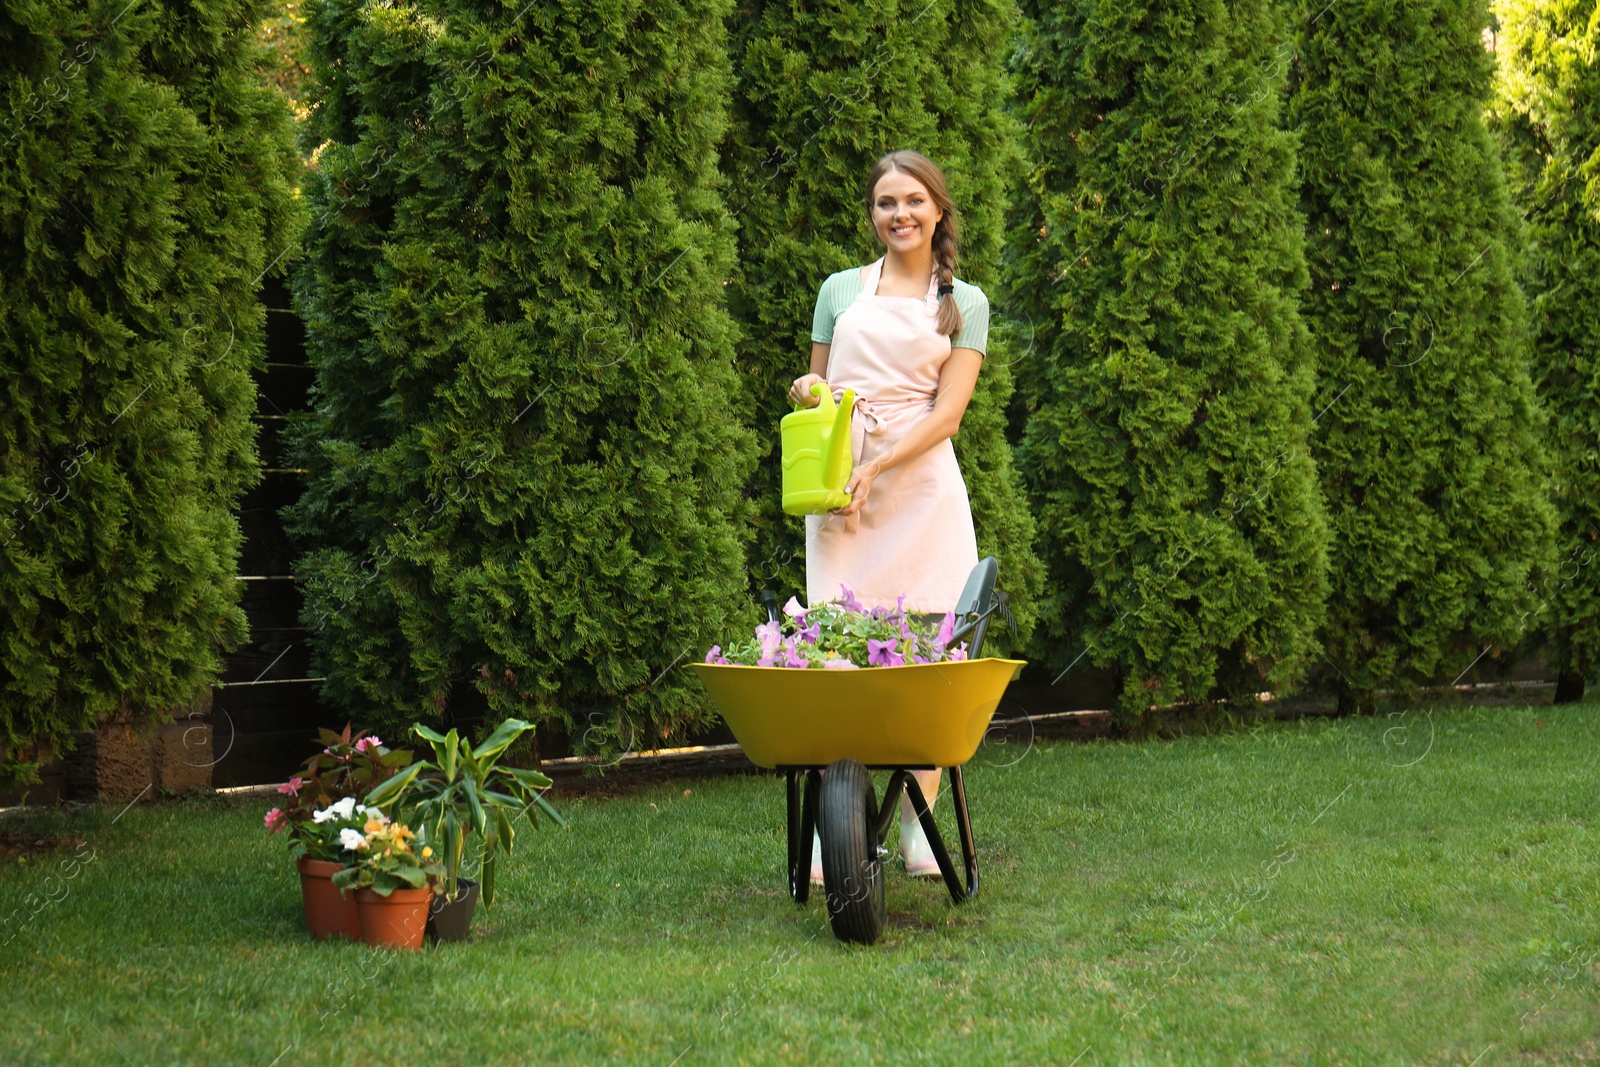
(927, 172)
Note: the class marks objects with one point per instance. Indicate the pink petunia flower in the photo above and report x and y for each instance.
(276, 820)
(716, 656)
(957, 654)
(292, 786)
(947, 628)
(810, 634)
(849, 602)
(882, 653)
(368, 743)
(790, 657)
(839, 665)
(795, 611)
(771, 637)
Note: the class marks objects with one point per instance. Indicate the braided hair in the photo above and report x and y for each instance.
(945, 234)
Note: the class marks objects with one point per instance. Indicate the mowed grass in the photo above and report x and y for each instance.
(1417, 888)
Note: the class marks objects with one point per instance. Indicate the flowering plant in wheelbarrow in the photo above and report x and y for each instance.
(844, 635)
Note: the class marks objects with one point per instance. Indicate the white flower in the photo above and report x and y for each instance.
(352, 839)
(340, 810)
(373, 813)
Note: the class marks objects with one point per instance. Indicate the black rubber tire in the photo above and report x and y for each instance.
(852, 870)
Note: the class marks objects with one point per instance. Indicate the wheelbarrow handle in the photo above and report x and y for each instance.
(769, 600)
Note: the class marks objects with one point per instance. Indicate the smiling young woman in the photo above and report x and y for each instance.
(908, 337)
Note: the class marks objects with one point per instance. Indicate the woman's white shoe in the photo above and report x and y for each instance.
(920, 861)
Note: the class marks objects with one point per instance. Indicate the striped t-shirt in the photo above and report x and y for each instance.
(841, 290)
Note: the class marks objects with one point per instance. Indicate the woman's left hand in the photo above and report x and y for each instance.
(859, 488)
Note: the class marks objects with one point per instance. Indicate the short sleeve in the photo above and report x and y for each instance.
(974, 332)
(827, 312)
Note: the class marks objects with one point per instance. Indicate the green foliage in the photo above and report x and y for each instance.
(145, 187)
(526, 463)
(823, 92)
(1549, 121)
(465, 790)
(1429, 451)
(1167, 416)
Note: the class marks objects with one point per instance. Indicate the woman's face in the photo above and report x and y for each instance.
(903, 213)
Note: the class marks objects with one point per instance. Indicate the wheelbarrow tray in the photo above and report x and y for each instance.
(923, 715)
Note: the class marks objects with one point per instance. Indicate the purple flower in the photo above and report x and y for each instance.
(790, 658)
(795, 611)
(810, 634)
(882, 653)
(839, 665)
(921, 659)
(716, 656)
(947, 628)
(880, 612)
(957, 654)
(849, 602)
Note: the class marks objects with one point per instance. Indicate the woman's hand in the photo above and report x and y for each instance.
(860, 487)
(800, 391)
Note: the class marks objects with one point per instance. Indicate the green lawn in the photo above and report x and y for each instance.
(1410, 889)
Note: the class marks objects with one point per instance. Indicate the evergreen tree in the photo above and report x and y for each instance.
(1165, 442)
(823, 92)
(1549, 120)
(1429, 451)
(145, 188)
(526, 454)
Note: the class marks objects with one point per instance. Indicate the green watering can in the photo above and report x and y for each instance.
(816, 454)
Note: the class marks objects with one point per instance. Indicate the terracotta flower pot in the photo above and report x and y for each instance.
(329, 913)
(397, 920)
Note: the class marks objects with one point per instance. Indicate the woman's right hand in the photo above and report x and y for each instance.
(800, 391)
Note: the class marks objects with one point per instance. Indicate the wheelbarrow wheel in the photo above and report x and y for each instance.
(852, 871)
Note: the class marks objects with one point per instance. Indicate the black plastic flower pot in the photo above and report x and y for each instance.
(450, 920)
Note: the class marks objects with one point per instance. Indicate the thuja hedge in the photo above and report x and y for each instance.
(526, 453)
(1165, 436)
(821, 93)
(1549, 121)
(145, 186)
(1429, 449)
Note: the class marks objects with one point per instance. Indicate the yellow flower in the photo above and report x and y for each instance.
(426, 852)
(372, 827)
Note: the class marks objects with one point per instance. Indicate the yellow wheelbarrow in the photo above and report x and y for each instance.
(849, 723)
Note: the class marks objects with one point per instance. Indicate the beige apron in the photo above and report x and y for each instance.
(914, 535)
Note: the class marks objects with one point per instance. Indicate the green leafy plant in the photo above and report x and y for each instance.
(386, 859)
(463, 791)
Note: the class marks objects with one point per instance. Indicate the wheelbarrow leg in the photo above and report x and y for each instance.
(969, 854)
(791, 777)
(802, 826)
(919, 804)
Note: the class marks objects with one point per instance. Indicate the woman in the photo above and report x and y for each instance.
(908, 337)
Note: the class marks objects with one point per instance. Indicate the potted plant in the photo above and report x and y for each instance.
(393, 880)
(317, 805)
(464, 792)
